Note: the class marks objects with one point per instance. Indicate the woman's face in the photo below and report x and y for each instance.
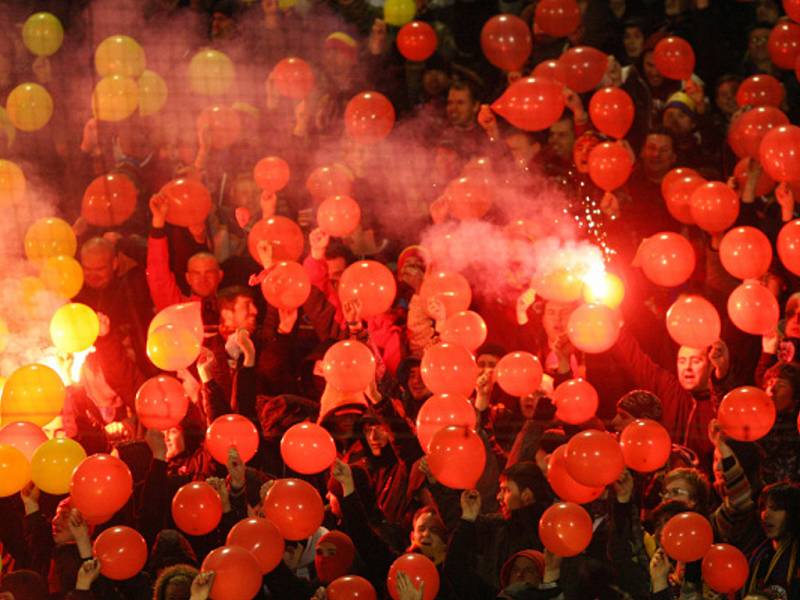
(781, 392)
(633, 40)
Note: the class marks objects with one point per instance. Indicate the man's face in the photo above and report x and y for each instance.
(681, 490)
(461, 108)
(658, 155)
(527, 405)
(509, 497)
(336, 267)
(677, 122)
(554, 319)
(203, 275)
(523, 570)
(179, 588)
(774, 521)
(693, 369)
(633, 39)
(60, 524)
(241, 316)
(377, 437)
(726, 97)
(781, 393)
(561, 138)
(792, 328)
(98, 268)
(423, 536)
(416, 385)
(621, 419)
(757, 44)
(651, 74)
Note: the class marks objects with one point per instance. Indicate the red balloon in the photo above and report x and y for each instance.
(338, 216)
(286, 286)
(465, 328)
(565, 529)
(610, 165)
(372, 283)
(780, 153)
(468, 198)
(725, 568)
(747, 132)
(557, 18)
(350, 587)
(122, 552)
(564, 485)
(109, 200)
(324, 182)
(693, 321)
(271, 174)
(551, 69)
(223, 124)
(792, 8)
(674, 175)
(687, 537)
(667, 259)
(189, 202)
(440, 411)
(231, 431)
(531, 103)
(594, 328)
(24, 436)
(416, 41)
(293, 78)
(645, 445)
(451, 288)
(294, 507)
(611, 110)
(746, 414)
(456, 457)
(576, 401)
(100, 486)
(161, 403)
(349, 366)
(784, 44)
(714, 206)
(420, 569)
(284, 234)
(519, 373)
(585, 67)
(789, 246)
(196, 508)
(369, 117)
(307, 448)
(760, 90)
(594, 458)
(745, 252)
(764, 184)
(237, 574)
(449, 369)
(674, 58)
(753, 309)
(677, 195)
(261, 538)
(506, 42)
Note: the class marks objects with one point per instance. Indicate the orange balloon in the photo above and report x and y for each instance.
(714, 206)
(294, 507)
(594, 328)
(608, 290)
(687, 537)
(186, 315)
(420, 569)
(532, 103)
(468, 198)
(561, 285)
(610, 165)
(339, 216)
(161, 403)
(308, 448)
(196, 508)
(645, 445)
(677, 196)
(189, 202)
(237, 573)
(506, 42)
(746, 414)
(611, 110)
(271, 174)
(223, 124)
(24, 436)
(584, 67)
(109, 200)
(576, 402)
(565, 529)
(287, 286)
(449, 369)
(372, 283)
(440, 411)
(745, 252)
(466, 328)
(261, 538)
(753, 309)
(518, 373)
(350, 587)
(564, 485)
(293, 78)
(725, 568)
(369, 117)
(452, 289)
(594, 458)
(327, 181)
(172, 347)
(349, 366)
(667, 259)
(100, 485)
(122, 552)
(231, 431)
(789, 246)
(693, 321)
(284, 234)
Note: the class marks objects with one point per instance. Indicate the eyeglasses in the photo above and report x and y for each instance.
(674, 492)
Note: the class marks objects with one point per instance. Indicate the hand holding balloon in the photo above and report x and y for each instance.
(87, 574)
(470, 505)
(201, 586)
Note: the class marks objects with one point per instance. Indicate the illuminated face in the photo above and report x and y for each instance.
(693, 368)
(203, 275)
(781, 393)
(658, 155)
(509, 497)
(633, 40)
(423, 536)
(242, 316)
(173, 438)
(554, 319)
(774, 521)
(377, 437)
(412, 272)
(792, 329)
(680, 489)
(60, 524)
(561, 138)
(416, 385)
(461, 108)
(98, 268)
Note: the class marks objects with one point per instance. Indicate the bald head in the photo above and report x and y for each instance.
(203, 274)
(99, 262)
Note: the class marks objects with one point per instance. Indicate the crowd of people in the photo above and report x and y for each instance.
(459, 185)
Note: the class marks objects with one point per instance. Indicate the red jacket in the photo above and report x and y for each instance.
(164, 290)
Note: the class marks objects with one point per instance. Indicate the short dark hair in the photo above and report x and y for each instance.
(785, 495)
(226, 298)
(526, 475)
(337, 249)
(659, 130)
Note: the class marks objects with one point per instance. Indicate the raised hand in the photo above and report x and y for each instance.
(159, 206)
(470, 505)
(87, 574)
(201, 586)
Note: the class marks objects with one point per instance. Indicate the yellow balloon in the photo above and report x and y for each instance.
(399, 12)
(12, 183)
(119, 55)
(53, 463)
(211, 73)
(29, 106)
(42, 34)
(3, 336)
(50, 236)
(74, 327)
(152, 93)
(115, 98)
(63, 275)
(172, 347)
(15, 472)
(33, 393)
